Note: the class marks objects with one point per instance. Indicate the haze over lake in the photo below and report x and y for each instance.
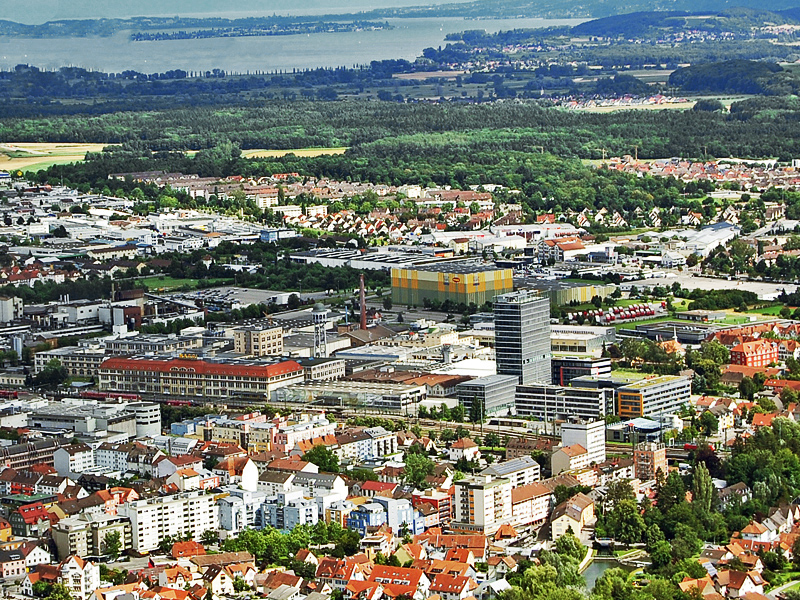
(39, 11)
(242, 54)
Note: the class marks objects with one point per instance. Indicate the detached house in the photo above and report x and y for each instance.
(400, 581)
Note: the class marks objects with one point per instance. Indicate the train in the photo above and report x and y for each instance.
(693, 446)
(9, 394)
(94, 395)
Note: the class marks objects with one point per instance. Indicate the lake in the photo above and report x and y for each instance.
(248, 54)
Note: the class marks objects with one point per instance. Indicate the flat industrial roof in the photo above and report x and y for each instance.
(458, 267)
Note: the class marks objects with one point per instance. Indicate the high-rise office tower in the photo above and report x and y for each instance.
(522, 336)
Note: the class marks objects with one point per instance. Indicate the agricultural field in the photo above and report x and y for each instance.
(29, 156)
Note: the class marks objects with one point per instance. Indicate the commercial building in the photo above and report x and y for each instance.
(188, 376)
(10, 309)
(590, 434)
(155, 343)
(253, 437)
(386, 396)
(153, 519)
(465, 282)
(322, 369)
(258, 340)
(482, 504)
(653, 397)
(561, 292)
(567, 368)
(85, 418)
(522, 336)
(570, 339)
(23, 456)
(79, 362)
(552, 402)
(495, 393)
(648, 459)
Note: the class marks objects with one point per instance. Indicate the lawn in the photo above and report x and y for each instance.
(165, 283)
(633, 324)
(773, 310)
(630, 373)
(734, 320)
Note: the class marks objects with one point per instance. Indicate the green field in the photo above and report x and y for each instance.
(633, 324)
(165, 283)
(774, 310)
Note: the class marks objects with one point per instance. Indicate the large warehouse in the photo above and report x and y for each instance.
(458, 281)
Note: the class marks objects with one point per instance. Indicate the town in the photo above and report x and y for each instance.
(309, 389)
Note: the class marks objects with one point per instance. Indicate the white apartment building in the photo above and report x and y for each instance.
(520, 471)
(569, 458)
(482, 504)
(113, 457)
(73, 460)
(591, 434)
(288, 436)
(80, 577)
(153, 519)
(530, 504)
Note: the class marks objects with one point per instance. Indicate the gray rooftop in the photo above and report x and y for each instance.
(510, 466)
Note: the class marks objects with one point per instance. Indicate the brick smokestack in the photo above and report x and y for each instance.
(362, 299)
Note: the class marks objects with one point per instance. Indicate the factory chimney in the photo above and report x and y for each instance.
(362, 299)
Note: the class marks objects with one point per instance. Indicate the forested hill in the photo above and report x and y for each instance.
(573, 8)
(654, 23)
(736, 77)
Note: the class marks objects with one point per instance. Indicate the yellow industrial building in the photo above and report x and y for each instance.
(458, 281)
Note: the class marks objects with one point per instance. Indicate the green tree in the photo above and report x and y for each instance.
(569, 545)
(387, 303)
(673, 492)
(477, 413)
(58, 591)
(112, 544)
(709, 423)
(209, 537)
(626, 522)
(53, 374)
(417, 468)
(660, 554)
(617, 491)
(747, 388)
(702, 488)
(324, 458)
(294, 302)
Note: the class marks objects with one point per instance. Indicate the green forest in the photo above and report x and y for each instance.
(754, 128)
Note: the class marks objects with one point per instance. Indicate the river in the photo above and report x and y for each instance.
(249, 54)
(597, 567)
